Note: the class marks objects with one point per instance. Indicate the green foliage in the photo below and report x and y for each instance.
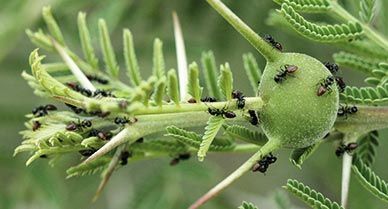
(243, 133)
(311, 6)
(160, 89)
(366, 150)
(298, 156)
(211, 73)
(370, 180)
(213, 126)
(356, 62)
(247, 205)
(52, 25)
(225, 81)
(366, 10)
(172, 87)
(252, 70)
(311, 197)
(107, 50)
(133, 71)
(158, 61)
(195, 90)
(366, 95)
(321, 33)
(86, 41)
(88, 168)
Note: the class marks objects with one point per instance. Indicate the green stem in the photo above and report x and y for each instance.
(269, 53)
(341, 13)
(263, 151)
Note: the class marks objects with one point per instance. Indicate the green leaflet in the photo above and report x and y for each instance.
(89, 168)
(160, 89)
(225, 81)
(133, 71)
(213, 126)
(194, 140)
(86, 41)
(370, 180)
(308, 6)
(52, 25)
(298, 156)
(160, 146)
(247, 205)
(252, 70)
(366, 12)
(172, 87)
(366, 149)
(158, 59)
(356, 62)
(107, 49)
(243, 133)
(195, 90)
(321, 33)
(211, 73)
(366, 95)
(311, 197)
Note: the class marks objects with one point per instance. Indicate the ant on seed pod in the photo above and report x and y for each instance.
(287, 70)
(325, 85)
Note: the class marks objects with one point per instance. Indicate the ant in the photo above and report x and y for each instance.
(87, 152)
(325, 86)
(221, 112)
(98, 79)
(99, 113)
(43, 110)
(288, 70)
(121, 121)
(124, 157)
(263, 164)
(191, 100)
(254, 120)
(341, 84)
(100, 134)
(36, 125)
(345, 148)
(345, 110)
(72, 126)
(78, 88)
(272, 41)
(103, 93)
(236, 94)
(333, 68)
(208, 99)
(182, 156)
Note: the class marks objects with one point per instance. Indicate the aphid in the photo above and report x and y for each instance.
(191, 100)
(287, 70)
(325, 86)
(263, 164)
(121, 121)
(332, 67)
(208, 99)
(340, 83)
(272, 41)
(124, 157)
(345, 148)
(253, 119)
(345, 110)
(221, 112)
(87, 152)
(36, 125)
(236, 94)
(72, 126)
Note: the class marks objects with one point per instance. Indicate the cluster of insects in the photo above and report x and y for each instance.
(208, 99)
(97, 79)
(221, 112)
(345, 148)
(263, 164)
(236, 94)
(268, 38)
(100, 134)
(287, 70)
(346, 110)
(326, 84)
(86, 92)
(43, 110)
(177, 159)
(73, 126)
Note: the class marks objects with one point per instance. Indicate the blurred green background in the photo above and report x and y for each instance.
(153, 184)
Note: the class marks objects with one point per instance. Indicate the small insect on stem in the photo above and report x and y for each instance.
(287, 70)
(325, 85)
(236, 94)
(97, 79)
(43, 110)
(124, 157)
(221, 112)
(36, 125)
(332, 67)
(177, 159)
(191, 100)
(273, 42)
(73, 126)
(346, 110)
(208, 99)
(263, 164)
(253, 119)
(345, 148)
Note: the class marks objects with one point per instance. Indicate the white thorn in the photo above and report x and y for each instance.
(79, 75)
(346, 166)
(181, 57)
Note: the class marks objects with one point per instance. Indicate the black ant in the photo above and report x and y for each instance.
(36, 125)
(341, 84)
(140, 140)
(100, 134)
(332, 67)
(288, 70)
(272, 41)
(103, 93)
(208, 99)
(99, 113)
(325, 86)
(345, 148)
(124, 157)
(263, 164)
(191, 100)
(236, 94)
(72, 126)
(121, 121)
(253, 119)
(75, 109)
(98, 79)
(221, 112)
(182, 156)
(78, 88)
(43, 110)
(345, 110)
(87, 152)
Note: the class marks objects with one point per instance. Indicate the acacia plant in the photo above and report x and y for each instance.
(300, 101)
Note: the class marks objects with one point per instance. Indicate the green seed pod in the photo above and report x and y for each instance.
(293, 113)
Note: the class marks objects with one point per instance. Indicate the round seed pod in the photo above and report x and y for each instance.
(293, 113)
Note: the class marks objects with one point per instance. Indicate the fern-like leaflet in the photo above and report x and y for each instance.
(308, 6)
